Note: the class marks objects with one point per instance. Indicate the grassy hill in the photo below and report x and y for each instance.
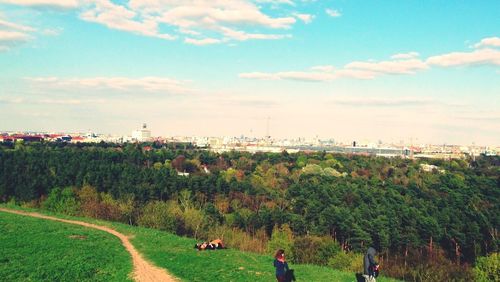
(166, 250)
(34, 249)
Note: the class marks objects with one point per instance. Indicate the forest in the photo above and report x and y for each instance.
(323, 208)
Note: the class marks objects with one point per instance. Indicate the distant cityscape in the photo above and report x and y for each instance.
(264, 144)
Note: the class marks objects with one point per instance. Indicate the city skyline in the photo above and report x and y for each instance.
(427, 70)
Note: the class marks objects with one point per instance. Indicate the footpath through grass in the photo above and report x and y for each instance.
(177, 255)
(33, 249)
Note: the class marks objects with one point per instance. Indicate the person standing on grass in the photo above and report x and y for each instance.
(280, 265)
(370, 266)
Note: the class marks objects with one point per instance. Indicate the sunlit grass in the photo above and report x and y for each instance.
(33, 249)
(177, 255)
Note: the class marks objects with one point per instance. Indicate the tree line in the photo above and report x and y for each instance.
(326, 203)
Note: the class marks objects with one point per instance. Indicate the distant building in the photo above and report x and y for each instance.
(25, 138)
(431, 168)
(142, 135)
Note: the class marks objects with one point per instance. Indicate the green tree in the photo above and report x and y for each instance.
(488, 268)
(281, 238)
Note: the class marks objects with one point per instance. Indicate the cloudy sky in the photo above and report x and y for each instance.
(427, 71)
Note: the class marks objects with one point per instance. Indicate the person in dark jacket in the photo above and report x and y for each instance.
(370, 265)
(281, 265)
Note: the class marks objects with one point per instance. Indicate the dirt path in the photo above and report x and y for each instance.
(143, 270)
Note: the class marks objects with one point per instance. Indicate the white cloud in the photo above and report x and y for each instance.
(289, 2)
(242, 36)
(326, 68)
(488, 42)
(11, 100)
(409, 55)
(306, 76)
(52, 31)
(211, 13)
(200, 42)
(259, 75)
(120, 84)
(9, 39)
(60, 102)
(408, 66)
(383, 102)
(60, 4)
(402, 64)
(189, 31)
(333, 13)
(315, 75)
(121, 18)
(354, 70)
(476, 57)
(227, 19)
(51, 101)
(356, 74)
(13, 36)
(13, 26)
(69, 101)
(306, 18)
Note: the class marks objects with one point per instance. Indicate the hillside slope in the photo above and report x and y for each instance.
(174, 253)
(40, 250)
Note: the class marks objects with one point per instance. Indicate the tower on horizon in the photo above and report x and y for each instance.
(142, 135)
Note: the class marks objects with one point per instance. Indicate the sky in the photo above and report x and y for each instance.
(424, 70)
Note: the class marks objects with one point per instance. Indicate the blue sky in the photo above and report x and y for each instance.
(349, 70)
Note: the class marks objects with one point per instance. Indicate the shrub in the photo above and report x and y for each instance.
(239, 239)
(314, 249)
(156, 215)
(351, 262)
(62, 201)
(488, 268)
(281, 238)
(89, 199)
(109, 208)
(101, 206)
(419, 268)
(127, 208)
(33, 204)
(193, 221)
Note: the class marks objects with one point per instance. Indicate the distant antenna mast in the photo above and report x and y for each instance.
(267, 128)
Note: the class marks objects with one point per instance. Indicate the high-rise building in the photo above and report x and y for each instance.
(142, 135)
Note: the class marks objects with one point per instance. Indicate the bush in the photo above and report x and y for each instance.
(156, 215)
(350, 262)
(89, 199)
(62, 201)
(314, 250)
(109, 208)
(33, 204)
(101, 206)
(194, 220)
(281, 238)
(239, 239)
(420, 268)
(488, 268)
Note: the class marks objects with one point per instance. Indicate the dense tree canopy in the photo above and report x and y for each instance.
(390, 203)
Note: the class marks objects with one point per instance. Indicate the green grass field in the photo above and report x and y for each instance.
(33, 249)
(177, 255)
